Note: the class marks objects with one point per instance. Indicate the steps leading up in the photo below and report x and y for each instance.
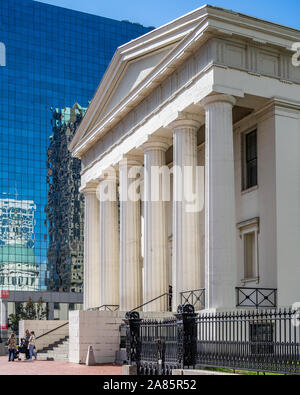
(58, 351)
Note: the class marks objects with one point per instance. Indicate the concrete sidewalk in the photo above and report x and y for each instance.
(52, 368)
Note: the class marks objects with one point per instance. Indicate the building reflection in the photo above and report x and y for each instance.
(18, 267)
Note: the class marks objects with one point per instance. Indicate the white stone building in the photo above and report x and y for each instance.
(213, 88)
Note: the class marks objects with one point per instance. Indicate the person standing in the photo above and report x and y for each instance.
(27, 337)
(31, 346)
(12, 348)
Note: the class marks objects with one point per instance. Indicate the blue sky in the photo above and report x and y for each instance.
(159, 12)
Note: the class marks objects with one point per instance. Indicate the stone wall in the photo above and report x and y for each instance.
(99, 329)
(41, 327)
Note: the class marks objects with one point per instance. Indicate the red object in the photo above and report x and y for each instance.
(4, 326)
(4, 294)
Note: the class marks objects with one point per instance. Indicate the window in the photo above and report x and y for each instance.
(250, 160)
(249, 255)
(249, 231)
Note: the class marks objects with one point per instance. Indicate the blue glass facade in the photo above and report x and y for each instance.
(54, 58)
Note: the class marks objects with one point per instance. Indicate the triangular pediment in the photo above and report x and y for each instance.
(139, 66)
(131, 65)
(135, 72)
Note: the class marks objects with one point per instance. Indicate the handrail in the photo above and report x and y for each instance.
(105, 306)
(151, 301)
(52, 330)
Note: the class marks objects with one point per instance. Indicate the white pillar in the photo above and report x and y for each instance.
(109, 241)
(220, 219)
(186, 218)
(91, 290)
(130, 239)
(3, 319)
(155, 230)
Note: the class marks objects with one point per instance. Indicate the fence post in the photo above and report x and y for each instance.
(133, 341)
(186, 336)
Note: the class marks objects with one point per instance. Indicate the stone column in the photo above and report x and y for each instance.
(186, 219)
(51, 309)
(155, 229)
(109, 240)
(130, 238)
(3, 316)
(220, 219)
(91, 291)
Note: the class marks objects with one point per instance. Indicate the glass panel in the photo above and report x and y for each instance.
(55, 57)
(251, 159)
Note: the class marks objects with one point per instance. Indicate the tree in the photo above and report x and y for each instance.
(31, 311)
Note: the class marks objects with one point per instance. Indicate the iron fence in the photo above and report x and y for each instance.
(195, 298)
(158, 353)
(256, 297)
(265, 341)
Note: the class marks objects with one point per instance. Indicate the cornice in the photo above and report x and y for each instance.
(213, 21)
(160, 72)
(159, 38)
(267, 110)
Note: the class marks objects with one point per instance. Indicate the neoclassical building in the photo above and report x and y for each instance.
(213, 89)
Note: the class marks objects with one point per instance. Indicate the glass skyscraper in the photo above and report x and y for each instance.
(55, 58)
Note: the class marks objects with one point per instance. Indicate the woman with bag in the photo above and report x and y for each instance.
(12, 348)
(31, 346)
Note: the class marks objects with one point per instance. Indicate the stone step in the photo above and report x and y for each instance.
(56, 344)
(61, 348)
(58, 351)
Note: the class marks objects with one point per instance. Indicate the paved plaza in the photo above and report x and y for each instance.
(55, 368)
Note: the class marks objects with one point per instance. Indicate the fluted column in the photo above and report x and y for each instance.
(91, 290)
(109, 240)
(155, 230)
(130, 238)
(186, 219)
(220, 220)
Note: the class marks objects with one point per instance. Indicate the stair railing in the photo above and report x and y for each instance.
(52, 330)
(169, 302)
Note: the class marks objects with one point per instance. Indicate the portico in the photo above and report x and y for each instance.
(202, 83)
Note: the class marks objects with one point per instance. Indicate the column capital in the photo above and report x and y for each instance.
(130, 160)
(157, 143)
(90, 188)
(219, 98)
(188, 120)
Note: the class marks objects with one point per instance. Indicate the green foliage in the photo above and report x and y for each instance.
(31, 311)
